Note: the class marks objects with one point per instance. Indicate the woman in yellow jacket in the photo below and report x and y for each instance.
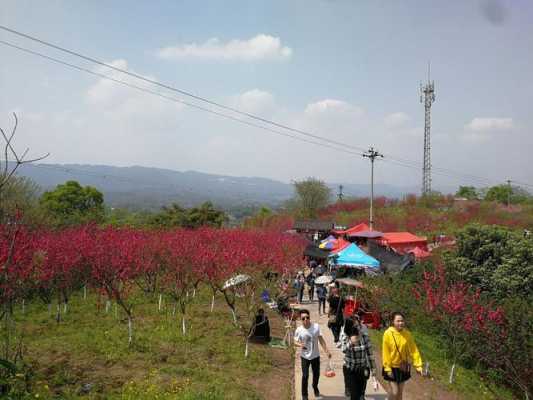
(400, 354)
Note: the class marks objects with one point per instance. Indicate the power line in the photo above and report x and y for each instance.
(174, 99)
(329, 142)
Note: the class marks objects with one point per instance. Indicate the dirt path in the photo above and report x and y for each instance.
(330, 388)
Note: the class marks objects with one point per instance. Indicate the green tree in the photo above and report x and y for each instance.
(494, 259)
(205, 215)
(468, 192)
(311, 195)
(20, 196)
(504, 193)
(71, 203)
(177, 216)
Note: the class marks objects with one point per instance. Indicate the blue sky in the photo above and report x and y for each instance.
(346, 70)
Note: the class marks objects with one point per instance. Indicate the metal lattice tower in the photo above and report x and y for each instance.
(427, 96)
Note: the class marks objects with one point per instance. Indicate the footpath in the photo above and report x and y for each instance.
(330, 388)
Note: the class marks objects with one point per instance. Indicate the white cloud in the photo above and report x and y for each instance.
(333, 107)
(490, 124)
(120, 102)
(396, 120)
(254, 101)
(260, 47)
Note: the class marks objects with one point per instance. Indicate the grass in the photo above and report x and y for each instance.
(91, 347)
(467, 382)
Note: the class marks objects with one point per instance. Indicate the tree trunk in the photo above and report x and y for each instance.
(160, 301)
(234, 316)
(58, 313)
(183, 325)
(246, 347)
(130, 330)
(84, 292)
(65, 306)
(194, 293)
(212, 303)
(107, 305)
(452, 373)
(23, 306)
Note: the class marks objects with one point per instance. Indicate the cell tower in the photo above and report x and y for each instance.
(427, 96)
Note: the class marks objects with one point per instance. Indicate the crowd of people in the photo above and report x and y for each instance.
(400, 354)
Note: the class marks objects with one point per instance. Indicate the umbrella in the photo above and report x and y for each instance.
(350, 282)
(324, 279)
(236, 280)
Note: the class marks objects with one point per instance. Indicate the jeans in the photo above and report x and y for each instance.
(336, 330)
(322, 303)
(315, 366)
(355, 383)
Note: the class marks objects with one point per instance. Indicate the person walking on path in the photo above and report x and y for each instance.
(306, 337)
(311, 286)
(321, 294)
(399, 353)
(299, 284)
(358, 363)
(335, 313)
(354, 326)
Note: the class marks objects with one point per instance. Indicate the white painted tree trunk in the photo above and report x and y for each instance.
(23, 306)
(130, 330)
(246, 348)
(174, 310)
(58, 313)
(452, 373)
(194, 293)
(65, 307)
(84, 292)
(183, 328)
(234, 316)
(107, 305)
(187, 295)
(212, 303)
(160, 301)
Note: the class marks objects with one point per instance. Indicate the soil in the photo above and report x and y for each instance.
(278, 383)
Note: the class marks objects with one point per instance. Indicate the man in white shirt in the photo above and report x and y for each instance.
(306, 337)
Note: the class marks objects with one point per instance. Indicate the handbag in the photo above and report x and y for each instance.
(405, 366)
(368, 371)
(330, 372)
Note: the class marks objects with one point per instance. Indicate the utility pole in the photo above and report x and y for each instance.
(340, 195)
(372, 154)
(509, 191)
(427, 96)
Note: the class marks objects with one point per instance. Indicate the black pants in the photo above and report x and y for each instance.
(322, 303)
(311, 293)
(315, 366)
(300, 295)
(336, 330)
(355, 383)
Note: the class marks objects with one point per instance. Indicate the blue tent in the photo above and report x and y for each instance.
(353, 256)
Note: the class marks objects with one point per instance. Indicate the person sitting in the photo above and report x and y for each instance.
(261, 329)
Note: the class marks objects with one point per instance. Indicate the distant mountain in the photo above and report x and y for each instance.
(150, 188)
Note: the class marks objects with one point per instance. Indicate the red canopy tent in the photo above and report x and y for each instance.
(403, 242)
(357, 228)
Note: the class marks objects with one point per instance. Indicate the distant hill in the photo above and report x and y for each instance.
(150, 188)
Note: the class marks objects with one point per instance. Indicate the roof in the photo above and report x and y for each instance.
(313, 225)
(402, 237)
(357, 228)
(366, 234)
(313, 251)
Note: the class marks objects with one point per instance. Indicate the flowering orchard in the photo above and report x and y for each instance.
(51, 265)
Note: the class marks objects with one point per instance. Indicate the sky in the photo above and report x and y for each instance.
(346, 70)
